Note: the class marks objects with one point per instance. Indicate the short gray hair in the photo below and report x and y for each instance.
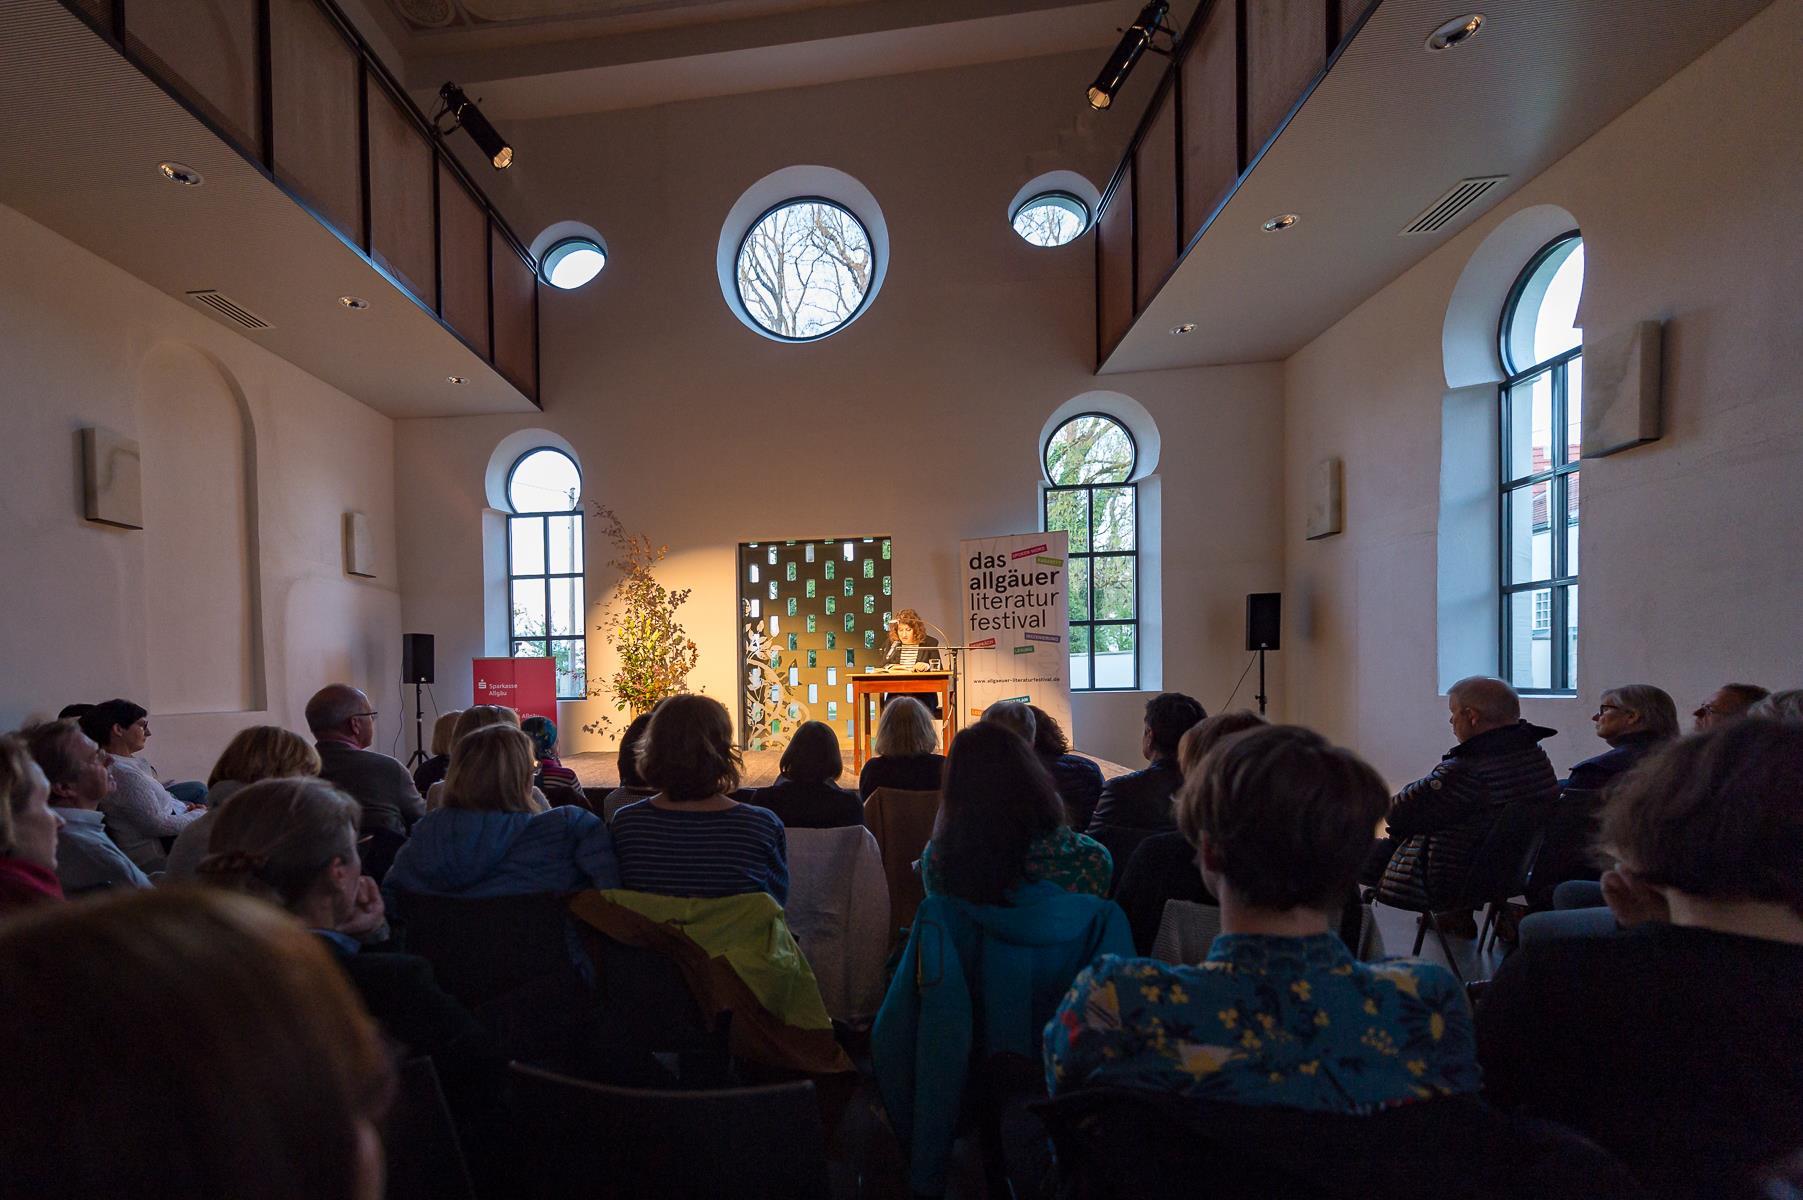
(1493, 699)
(1013, 716)
(333, 705)
(1655, 708)
(1785, 707)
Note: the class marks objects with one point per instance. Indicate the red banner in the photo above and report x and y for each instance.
(526, 685)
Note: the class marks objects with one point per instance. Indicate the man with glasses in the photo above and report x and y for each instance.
(344, 726)
(1730, 703)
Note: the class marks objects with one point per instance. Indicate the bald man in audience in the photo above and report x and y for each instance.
(1729, 703)
(344, 725)
(1438, 822)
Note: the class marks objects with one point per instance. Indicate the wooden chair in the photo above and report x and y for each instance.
(902, 822)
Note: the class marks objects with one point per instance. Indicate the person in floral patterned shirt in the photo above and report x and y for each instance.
(1280, 1013)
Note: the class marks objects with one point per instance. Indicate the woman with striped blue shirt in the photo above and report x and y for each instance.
(692, 838)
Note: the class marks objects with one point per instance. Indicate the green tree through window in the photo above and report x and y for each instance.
(1089, 464)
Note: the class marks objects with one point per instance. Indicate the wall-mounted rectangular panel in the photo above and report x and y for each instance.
(1209, 82)
(1286, 47)
(1114, 264)
(1351, 11)
(463, 260)
(400, 195)
(318, 149)
(207, 50)
(516, 315)
(1155, 200)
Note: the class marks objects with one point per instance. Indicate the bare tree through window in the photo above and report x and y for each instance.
(804, 269)
(1052, 219)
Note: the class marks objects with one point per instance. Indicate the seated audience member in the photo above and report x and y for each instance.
(480, 716)
(86, 858)
(489, 837)
(632, 784)
(805, 795)
(907, 741)
(1078, 779)
(120, 1012)
(1015, 717)
(344, 726)
(433, 769)
(28, 831)
(1001, 824)
(1163, 867)
(1635, 720)
(1678, 1042)
(1280, 1013)
(1785, 707)
(1438, 823)
(140, 812)
(1729, 703)
(1142, 799)
(543, 732)
(692, 838)
(253, 755)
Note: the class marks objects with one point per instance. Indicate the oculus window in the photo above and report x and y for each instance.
(545, 567)
(804, 269)
(1541, 412)
(1089, 465)
(1051, 219)
(572, 262)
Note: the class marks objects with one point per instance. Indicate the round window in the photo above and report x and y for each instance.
(572, 262)
(1090, 448)
(544, 480)
(804, 269)
(1051, 219)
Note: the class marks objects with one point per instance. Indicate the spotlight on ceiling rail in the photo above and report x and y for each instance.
(1136, 39)
(466, 116)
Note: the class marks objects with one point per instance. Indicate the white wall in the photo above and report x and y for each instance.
(234, 597)
(921, 420)
(1691, 545)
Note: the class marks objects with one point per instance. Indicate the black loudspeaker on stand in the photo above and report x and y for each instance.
(416, 668)
(1264, 622)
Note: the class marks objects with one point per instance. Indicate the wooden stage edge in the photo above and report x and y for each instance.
(600, 769)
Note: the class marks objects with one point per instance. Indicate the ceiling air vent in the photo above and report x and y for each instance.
(229, 308)
(1459, 197)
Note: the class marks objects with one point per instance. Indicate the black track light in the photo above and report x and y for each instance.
(1136, 39)
(465, 115)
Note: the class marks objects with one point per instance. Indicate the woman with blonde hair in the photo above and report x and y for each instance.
(444, 735)
(255, 754)
(907, 750)
(28, 831)
(278, 1075)
(476, 716)
(490, 836)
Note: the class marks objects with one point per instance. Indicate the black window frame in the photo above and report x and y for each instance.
(1055, 196)
(1131, 485)
(739, 252)
(1561, 581)
(543, 578)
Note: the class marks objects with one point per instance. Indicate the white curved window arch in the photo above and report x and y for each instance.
(1542, 352)
(1091, 462)
(545, 569)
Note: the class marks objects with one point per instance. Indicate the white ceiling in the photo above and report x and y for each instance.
(1391, 128)
(84, 132)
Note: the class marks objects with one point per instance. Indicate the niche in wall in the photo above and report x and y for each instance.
(811, 614)
(199, 621)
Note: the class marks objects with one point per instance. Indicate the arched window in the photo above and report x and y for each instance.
(544, 565)
(1090, 461)
(1541, 405)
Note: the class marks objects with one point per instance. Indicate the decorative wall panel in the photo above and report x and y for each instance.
(1114, 264)
(514, 294)
(1286, 47)
(463, 260)
(207, 51)
(400, 195)
(1155, 211)
(314, 75)
(811, 613)
(1211, 135)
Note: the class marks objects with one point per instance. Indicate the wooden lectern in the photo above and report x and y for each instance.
(867, 691)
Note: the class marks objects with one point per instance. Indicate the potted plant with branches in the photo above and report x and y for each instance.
(655, 653)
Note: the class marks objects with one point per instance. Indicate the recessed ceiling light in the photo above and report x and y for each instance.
(1281, 222)
(455, 379)
(357, 303)
(1186, 327)
(176, 172)
(1455, 32)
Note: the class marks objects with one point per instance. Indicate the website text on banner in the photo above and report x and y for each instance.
(1017, 623)
(526, 685)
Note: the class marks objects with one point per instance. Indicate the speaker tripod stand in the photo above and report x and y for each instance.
(419, 754)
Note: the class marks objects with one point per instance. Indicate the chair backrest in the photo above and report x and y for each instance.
(838, 910)
(1498, 868)
(591, 1139)
(1186, 932)
(1127, 1142)
(419, 1140)
(902, 823)
(485, 950)
(1121, 841)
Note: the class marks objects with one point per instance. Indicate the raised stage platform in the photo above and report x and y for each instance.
(599, 769)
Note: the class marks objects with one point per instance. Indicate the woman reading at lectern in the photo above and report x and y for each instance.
(909, 645)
